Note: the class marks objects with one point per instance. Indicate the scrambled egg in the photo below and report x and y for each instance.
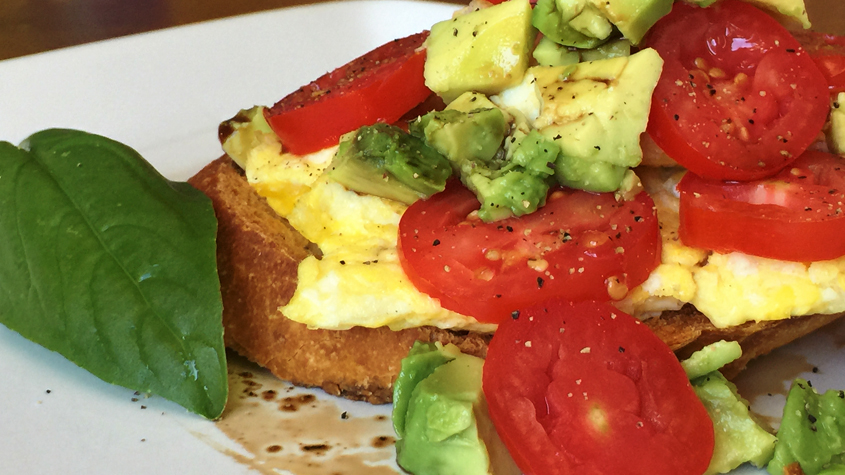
(730, 289)
(358, 280)
(283, 178)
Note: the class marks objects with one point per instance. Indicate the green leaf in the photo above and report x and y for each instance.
(106, 262)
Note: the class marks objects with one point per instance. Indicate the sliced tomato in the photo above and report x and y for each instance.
(797, 215)
(828, 51)
(738, 99)
(379, 86)
(586, 389)
(580, 246)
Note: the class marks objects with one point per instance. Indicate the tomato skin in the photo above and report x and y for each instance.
(738, 99)
(828, 51)
(574, 247)
(582, 388)
(833, 67)
(379, 86)
(797, 215)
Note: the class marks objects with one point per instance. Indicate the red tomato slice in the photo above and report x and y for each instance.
(580, 246)
(380, 86)
(738, 99)
(586, 389)
(828, 51)
(796, 215)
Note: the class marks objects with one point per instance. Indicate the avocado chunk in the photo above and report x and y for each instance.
(486, 50)
(554, 20)
(518, 185)
(463, 137)
(612, 49)
(701, 3)
(549, 53)
(835, 129)
(470, 101)
(812, 431)
(421, 361)
(738, 437)
(594, 111)
(509, 180)
(711, 358)
(834, 469)
(386, 161)
(589, 23)
(588, 175)
(440, 416)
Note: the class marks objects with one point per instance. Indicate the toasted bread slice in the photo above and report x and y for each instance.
(258, 253)
(257, 257)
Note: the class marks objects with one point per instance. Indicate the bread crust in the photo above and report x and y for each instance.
(687, 330)
(257, 257)
(258, 253)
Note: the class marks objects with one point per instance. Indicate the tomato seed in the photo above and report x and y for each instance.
(716, 73)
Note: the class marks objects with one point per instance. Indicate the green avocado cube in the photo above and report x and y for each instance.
(835, 129)
(485, 51)
(385, 161)
(595, 112)
(812, 431)
(711, 358)
(440, 415)
(589, 23)
(738, 437)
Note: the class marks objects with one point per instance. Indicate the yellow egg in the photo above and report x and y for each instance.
(337, 219)
(282, 177)
(344, 290)
(358, 280)
(730, 289)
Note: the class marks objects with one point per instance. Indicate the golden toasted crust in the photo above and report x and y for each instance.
(257, 257)
(688, 330)
(258, 253)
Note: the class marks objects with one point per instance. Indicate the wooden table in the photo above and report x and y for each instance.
(32, 26)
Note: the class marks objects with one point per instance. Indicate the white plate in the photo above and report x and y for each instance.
(164, 94)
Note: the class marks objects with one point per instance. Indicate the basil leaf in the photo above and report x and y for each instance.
(108, 263)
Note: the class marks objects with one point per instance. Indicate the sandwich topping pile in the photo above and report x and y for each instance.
(593, 106)
(547, 171)
(536, 183)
